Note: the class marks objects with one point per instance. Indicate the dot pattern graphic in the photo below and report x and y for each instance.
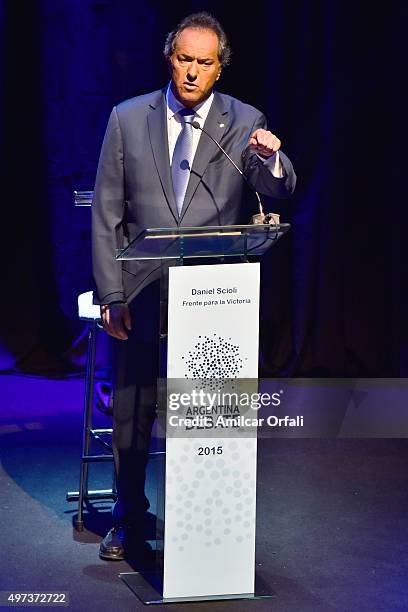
(224, 511)
(212, 361)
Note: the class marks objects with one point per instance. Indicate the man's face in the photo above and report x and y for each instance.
(194, 65)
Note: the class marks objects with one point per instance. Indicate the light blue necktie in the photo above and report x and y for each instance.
(182, 157)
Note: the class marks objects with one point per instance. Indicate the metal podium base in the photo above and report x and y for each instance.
(148, 587)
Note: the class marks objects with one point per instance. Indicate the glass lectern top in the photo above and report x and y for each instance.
(209, 241)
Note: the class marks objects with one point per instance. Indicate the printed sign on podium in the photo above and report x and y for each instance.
(210, 503)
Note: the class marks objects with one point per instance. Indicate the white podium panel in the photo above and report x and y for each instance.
(210, 502)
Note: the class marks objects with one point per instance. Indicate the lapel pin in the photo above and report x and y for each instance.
(221, 125)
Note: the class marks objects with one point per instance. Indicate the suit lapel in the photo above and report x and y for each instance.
(157, 124)
(216, 124)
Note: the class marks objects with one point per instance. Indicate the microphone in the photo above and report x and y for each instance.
(197, 126)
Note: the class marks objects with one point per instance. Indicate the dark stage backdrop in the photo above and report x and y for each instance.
(328, 77)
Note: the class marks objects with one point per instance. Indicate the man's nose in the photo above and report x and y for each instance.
(192, 71)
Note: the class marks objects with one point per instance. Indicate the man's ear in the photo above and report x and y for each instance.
(169, 65)
(218, 75)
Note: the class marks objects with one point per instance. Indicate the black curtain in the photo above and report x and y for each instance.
(329, 77)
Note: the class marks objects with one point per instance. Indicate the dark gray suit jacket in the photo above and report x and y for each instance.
(133, 189)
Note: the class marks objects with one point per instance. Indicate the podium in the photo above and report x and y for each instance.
(210, 302)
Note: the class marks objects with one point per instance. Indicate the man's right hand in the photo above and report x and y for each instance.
(116, 320)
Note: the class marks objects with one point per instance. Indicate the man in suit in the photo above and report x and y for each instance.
(155, 170)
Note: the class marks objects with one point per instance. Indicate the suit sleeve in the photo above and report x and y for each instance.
(107, 214)
(260, 175)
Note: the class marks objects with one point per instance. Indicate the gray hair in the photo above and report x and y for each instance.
(200, 21)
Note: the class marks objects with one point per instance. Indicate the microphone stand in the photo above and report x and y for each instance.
(267, 219)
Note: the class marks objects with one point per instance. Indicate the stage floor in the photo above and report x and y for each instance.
(332, 514)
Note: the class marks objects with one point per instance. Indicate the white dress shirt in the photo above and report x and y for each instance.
(174, 127)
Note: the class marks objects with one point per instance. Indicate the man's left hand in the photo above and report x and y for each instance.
(264, 143)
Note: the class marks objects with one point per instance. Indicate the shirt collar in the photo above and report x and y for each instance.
(174, 106)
